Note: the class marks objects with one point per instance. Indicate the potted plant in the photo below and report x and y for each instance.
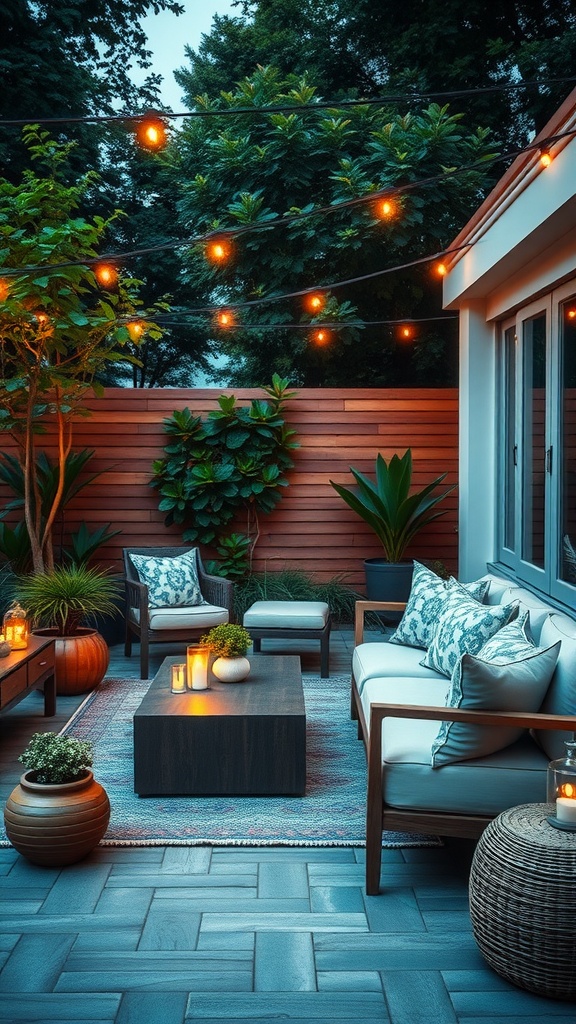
(59, 602)
(396, 515)
(58, 812)
(229, 642)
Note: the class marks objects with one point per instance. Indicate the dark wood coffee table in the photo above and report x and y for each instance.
(235, 739)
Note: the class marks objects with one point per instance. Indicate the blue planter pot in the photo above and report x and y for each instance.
(388, 581)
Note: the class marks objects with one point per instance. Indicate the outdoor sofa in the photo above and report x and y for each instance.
(509, 702)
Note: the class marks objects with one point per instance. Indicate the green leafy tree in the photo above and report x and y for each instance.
(230, 465)
(279, 169)
(58, 326)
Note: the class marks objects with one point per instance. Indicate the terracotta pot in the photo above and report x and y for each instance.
(81, 660)
(231, 670)
(55, 825)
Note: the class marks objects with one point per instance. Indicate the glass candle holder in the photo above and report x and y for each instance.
(561, 788)
(178, 678)
(197, 658)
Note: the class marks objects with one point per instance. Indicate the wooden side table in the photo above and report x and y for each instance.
(27, 670)
(523, 900)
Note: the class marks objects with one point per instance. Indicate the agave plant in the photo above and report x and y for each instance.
(387, 505)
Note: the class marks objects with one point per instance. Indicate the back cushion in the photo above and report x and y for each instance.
(561, 696)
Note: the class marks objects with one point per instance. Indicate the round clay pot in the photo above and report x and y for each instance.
(59, 824)
(231, 670)
(81, 660)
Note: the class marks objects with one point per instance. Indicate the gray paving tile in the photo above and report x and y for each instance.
(262, 854)
(160, 960)
(398, 911)
(284, 962)
(349, 981)
(187, 860)
(19, 906)
(476, 981)
(282, 880)
(417, 997)
(44, 924)
(206, 902)
(125, 938)
(161, 981)
(170, 929)
(226, 940)
(35, 963)
(77, 889)
(321, 1006)
(240, 868)
(336, 899)
(502, 1005)
(152, 1008)
(182, 883)
(289, 922)
(59, 1007)
(12, 892)
(119, 901)
(403, 953)
(447, 920)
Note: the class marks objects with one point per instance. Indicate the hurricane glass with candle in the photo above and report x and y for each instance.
(561, 788)
(197, 658)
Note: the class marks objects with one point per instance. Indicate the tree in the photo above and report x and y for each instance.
(304, 172)
(58, 326)
(383, 48)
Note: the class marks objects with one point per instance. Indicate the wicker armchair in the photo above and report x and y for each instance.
(171, 625)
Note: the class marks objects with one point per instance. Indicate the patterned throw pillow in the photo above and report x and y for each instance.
(171, 582)
(425, 603)
(509, 674)
(464, 627)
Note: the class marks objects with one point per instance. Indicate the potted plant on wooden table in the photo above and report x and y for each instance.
(60, 602)
(396, 515)
(229, 642)
(58, 812)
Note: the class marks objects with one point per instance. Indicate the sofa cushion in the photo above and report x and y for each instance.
(484, 785)
(171, 582)
(425, 603)
(509, 674)
(463, 627)
(538, 610)
(371, 660)
(561, 696)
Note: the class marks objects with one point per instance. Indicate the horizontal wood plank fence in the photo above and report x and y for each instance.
(312, 528)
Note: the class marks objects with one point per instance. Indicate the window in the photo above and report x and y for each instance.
(537, 450)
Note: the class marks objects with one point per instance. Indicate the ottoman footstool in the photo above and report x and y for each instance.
(286, 620)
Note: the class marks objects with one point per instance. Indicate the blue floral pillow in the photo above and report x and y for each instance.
(463, 627)
(171, 582)
(425, 604)
(509, 674)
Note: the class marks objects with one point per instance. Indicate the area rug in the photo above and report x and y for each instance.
(332, 813)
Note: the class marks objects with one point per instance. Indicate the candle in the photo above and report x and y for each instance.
(566, 803)
(197, 667)
(178, 679)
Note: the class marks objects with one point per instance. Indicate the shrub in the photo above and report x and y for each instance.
(57, 759)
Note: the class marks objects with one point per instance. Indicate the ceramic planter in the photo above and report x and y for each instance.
(388, 581)
(231, 670)
(58, 824)
(81, 660)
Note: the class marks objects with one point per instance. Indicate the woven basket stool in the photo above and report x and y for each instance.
(523, 900)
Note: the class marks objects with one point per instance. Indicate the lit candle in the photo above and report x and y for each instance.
(178, 679)
(197, 667)
(566, 804)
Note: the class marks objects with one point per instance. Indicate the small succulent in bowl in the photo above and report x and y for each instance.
(56, 759)
(227, 640)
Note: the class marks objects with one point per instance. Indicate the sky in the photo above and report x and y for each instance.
(168, 35)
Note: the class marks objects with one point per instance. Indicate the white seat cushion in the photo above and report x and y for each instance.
(184, 617)
(371, 660)
(287, 614)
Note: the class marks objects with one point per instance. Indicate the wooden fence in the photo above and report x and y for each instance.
(312, 528)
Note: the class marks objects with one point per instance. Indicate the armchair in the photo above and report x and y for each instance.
(149, 623)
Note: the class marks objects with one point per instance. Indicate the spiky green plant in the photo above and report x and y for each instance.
(56, 758)
(387, 505)
(67, 595)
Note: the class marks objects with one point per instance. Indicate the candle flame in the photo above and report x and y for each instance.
(568, 789)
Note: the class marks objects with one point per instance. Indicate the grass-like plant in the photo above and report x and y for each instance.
(67, 596)
(56, 758)
(227, 640)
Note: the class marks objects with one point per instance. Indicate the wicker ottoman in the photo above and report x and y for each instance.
(523, 900)
(286, 620)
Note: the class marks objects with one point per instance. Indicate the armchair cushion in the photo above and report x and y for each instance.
(202, 616)
(509, 674)
(463, 627)
(171, 582)
(425, 603)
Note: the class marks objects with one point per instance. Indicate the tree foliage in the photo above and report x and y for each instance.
(295, 180)
(58, 326)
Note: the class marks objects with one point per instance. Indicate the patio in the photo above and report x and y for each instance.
(237, 933)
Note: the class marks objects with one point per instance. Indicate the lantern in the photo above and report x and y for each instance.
(15, 627)
(561, 788)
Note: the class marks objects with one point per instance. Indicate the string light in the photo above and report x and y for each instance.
(225, 318)
(571, 314)
(387, 209)
(441, 269)
(135, 330)
(545, 158)
(218, 251)
(406, 332)
(151, 132)
(321, 336)
(106, 275)
(315, 302)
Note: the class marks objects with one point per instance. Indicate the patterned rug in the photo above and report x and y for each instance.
(330, 814)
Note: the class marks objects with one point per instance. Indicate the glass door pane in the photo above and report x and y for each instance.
(510, 446)
(534, 440)
(568, 443)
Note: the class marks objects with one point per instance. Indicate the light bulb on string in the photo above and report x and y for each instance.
(151, 132)
(545, 157)
(386, 209)
(571, 313)
(218, 250)
(321, 337)
(315, 302)
(225, 318)
(406, 332)
(441, 269)
(106, 275)
(135, 329)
